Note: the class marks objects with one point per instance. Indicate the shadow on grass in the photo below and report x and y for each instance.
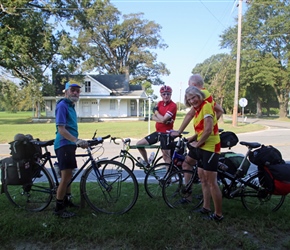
(15, 121)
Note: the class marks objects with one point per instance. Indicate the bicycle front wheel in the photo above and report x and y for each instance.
(105, 190)
(255, 197)
(155, 178)
(182, 189)
(34, 196)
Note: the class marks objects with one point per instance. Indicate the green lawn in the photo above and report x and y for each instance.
(151, 224)
(11, 124)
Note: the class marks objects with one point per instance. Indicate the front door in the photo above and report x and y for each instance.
(133, 108)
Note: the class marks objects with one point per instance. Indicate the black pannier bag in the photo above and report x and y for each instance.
(233, 161)
(275, 178)
(266, 155)
(22, 148)
(228, 139)
(15, 172)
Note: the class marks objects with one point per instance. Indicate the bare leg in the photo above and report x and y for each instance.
(214, 191)
(63, 189)
(205, 188)
(187, 165)
(166, 155)
(143, 151)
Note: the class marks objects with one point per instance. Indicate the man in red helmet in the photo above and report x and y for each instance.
(164, 115)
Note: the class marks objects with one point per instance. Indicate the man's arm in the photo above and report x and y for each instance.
(218, 110)
(160, 118)
(67, 135)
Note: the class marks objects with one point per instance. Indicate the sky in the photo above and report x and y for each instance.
(191, 29)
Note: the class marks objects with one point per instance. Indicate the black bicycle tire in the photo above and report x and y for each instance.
(157, 161)
(95, 199)
(124, 160)
(148, 183)
(254, 193)
(174, 198)
(16, 193)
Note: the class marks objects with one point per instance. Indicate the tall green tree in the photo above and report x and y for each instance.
(115, 44)
(11, 96)
(265, 48)
(218, 73)
(29, 42)
(33, 42)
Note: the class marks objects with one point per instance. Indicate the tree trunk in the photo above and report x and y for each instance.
(259, 108)
(283, 109)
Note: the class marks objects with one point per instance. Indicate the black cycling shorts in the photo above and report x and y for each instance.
(205, 159)
(66, 157)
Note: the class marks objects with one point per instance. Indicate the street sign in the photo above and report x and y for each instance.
(243, 102)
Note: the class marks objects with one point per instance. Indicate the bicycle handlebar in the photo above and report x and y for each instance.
(42, 143)
(98, 140)
(125, 141)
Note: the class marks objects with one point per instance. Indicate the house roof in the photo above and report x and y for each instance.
(118, 84)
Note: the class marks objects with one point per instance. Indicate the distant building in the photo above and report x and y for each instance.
(102, 97)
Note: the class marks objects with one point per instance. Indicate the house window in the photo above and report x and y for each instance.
(112, 104)
(133, 105)
(87, 87)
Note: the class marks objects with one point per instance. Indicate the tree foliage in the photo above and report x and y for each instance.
(115, 46)
(265, 50)
(218, 73)
(10, 95)
(30, 45)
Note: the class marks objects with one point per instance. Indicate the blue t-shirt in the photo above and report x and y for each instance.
(65, 115)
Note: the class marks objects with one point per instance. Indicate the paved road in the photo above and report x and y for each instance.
(277, 134)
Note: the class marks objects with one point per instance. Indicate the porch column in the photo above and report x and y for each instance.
(119, 100)
(98, 108)
(144, 108)
(138, 100)
(77, 108)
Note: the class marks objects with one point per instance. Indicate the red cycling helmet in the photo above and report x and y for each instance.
(165, 89)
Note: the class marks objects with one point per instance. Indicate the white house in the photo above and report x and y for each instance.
(103, 97)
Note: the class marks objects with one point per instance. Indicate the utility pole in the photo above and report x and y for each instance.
(235, 111)
(179, 97)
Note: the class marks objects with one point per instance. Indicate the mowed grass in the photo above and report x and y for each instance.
(11, 124)
(151, 224)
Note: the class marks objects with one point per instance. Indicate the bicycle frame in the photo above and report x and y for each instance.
(47, 158)
(124, 153)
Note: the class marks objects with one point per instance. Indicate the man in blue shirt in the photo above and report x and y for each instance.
(65, 145)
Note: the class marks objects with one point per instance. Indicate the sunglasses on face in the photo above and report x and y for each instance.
(166, 94)
(75, 90)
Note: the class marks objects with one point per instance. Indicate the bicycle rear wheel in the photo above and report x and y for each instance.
(155, 178)
(255, 197)
(34, 196)
(127, 161)
(109, 193)
(177, 194)
(158, 161)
